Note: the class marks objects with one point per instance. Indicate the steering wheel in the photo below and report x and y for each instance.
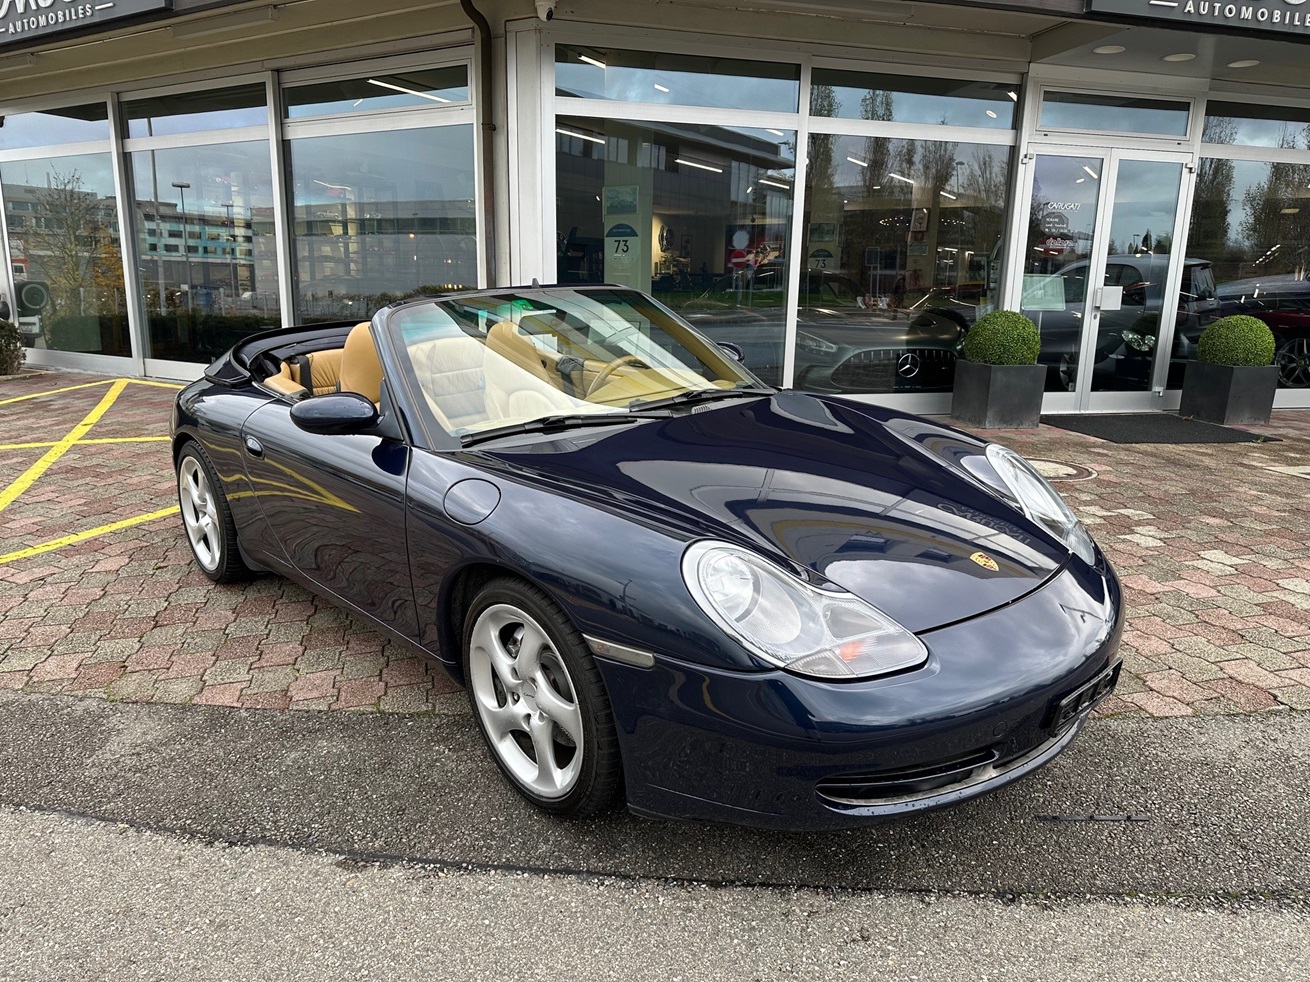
(604, 374)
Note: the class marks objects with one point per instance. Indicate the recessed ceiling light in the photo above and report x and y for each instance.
(1109, 49)
(991, 113)
(1181, 56)
(1244, 63)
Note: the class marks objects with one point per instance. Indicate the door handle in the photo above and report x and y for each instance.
(254, 447)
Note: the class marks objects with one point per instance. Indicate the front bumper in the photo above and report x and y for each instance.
(776, 750)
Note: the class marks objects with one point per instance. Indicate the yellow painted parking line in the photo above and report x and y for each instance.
(29, 476)
(55, 392)
(97, 442)
(158, 385)
(68, 540)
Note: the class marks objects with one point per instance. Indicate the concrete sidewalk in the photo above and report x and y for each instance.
(99, 596)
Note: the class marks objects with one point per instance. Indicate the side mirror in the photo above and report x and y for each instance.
(335, 414)
(732, 351)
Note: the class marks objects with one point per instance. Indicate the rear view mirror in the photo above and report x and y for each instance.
(335, 414)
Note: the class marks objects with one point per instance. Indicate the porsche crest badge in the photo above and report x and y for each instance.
(985, 561)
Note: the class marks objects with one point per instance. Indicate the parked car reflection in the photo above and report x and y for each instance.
(1282, 302)
(1126, 338)
(845, 342)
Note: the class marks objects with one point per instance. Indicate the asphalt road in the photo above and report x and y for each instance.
(158, 842)
(86, 900)
(1226, 803)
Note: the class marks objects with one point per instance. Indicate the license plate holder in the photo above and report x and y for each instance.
(1084, 698)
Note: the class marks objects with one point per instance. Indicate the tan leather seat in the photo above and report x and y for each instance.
(324, 374)
(506, 339)
(467, 385)
(361, 371)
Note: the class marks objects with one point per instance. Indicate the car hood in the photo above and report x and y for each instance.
(858, 495)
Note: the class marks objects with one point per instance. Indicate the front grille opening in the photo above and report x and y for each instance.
(874, 786)
(885, 370)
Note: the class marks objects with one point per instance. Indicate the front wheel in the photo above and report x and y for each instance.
(207, 519)
(539, 700)
(1293, 361)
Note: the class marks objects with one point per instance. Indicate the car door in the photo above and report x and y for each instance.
(336, 505)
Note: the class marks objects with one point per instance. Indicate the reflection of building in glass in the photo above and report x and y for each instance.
(218, 259)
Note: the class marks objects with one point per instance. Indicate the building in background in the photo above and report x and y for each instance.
(838, 187)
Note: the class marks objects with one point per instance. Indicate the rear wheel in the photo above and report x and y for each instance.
(1293, 361)
(539, 700)
(207, 519)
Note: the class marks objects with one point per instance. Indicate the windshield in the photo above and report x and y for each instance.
(495, 360)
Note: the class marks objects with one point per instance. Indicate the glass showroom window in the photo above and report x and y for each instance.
(902, 239)
(389, 211)
(1251, 221)
(62, 216)
(699, 215)
(203, 214)
(380, 217)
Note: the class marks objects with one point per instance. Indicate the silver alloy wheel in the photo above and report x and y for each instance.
(1293, 361)
(200, 513)
(526, 700)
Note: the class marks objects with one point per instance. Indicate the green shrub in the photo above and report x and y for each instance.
(12, 352)
(1003, 337)
(1237, 340)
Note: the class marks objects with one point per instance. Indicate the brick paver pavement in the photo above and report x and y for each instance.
(1210, 541)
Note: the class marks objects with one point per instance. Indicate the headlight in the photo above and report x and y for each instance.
(816, 346)
(791, 624)
(1039, 501)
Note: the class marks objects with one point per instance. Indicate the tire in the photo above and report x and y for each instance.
(541, 706)
(1293, 361)
(206, 518)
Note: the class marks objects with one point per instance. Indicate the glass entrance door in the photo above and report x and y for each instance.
(1099, 271)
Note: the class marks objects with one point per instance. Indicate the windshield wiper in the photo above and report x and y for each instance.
(556, 423)
(703, 395)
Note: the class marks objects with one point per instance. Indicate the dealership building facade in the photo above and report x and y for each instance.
(838, 187)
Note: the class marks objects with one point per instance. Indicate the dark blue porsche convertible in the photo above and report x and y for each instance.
(654, 575)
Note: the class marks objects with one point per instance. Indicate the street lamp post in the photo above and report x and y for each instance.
(186, 248)
(232, 252)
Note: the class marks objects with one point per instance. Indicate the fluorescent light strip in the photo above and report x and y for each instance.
(854, 160)
(947, 194)
(661, 88)
(401, 88)
(897, 177)
(775, 132)
(775, 184)
(580, 136)
(1095, 176)
(592, 61)
(692, 163)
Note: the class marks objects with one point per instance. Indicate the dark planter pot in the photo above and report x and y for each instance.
(1228, 393)
(998, 396)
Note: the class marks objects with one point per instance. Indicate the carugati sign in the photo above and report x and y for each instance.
(1282, 16)
(33, 19)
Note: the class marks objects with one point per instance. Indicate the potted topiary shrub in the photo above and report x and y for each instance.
(998, 383)
(12, 352)
(1233, 379)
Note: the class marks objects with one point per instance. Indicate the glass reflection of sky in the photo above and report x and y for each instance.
(1113, 114)
(918, 100)
(422, 90)
(1145, 198)
(637, 76)
(197, 112)
(54, 127)
(94, 170)
(1254, 126)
